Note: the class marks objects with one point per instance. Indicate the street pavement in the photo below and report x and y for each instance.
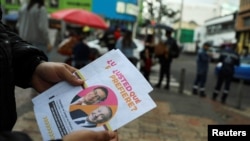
(177, 117)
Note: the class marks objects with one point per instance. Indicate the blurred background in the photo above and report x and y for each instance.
(179, 114)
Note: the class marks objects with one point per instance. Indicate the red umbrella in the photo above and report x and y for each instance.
(81, 17)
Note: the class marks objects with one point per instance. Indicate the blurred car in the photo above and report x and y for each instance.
(95, 44)
(215, 53)
(102, 50)
(241, 72)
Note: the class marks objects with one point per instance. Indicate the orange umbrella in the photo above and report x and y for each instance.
(80, 17)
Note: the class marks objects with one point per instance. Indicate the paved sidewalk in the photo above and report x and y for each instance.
(177, 117)
(181, 118)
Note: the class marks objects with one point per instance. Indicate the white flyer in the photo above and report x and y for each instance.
(114, 93)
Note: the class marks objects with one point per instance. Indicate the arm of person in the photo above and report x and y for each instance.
(87, 135)
(25, 57)
(14, 136)
(204, 57)
(81, 135)
(31, 68)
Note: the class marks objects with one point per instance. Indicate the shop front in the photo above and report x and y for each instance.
(122, 13)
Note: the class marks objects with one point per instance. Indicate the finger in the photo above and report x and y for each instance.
(114, 136)
(87, 135)
(104, 136)
(70, 68)
(67, 74)
(111, 134)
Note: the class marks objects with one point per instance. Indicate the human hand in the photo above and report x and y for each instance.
(49, 73)
(87, 135)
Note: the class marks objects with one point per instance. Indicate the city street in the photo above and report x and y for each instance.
(177, 117)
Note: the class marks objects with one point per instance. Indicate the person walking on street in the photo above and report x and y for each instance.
(127, 46)
(146, 56)
(146, 63)
(203, 59)
(26, 66)
(166, 60)
(117, 32)
(81, 51)
(108, 39)
(33, 25)
(229, 59)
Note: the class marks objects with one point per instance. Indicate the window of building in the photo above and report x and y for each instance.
(246, 21)
(221, 27)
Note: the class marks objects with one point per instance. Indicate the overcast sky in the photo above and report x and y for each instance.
(227, 3)
(201, 10)
(233, 2)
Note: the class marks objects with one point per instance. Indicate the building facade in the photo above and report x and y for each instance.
(243, 26)
(218, 31)
(120, 12)
(123, 12)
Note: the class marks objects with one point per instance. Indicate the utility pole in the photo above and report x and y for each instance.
(135, 26)
(180, 22)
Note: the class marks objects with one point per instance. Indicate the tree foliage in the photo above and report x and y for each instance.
(162, 11)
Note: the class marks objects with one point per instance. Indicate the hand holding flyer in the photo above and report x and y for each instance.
(114, 93)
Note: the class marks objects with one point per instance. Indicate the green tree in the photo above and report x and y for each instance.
(160, 10)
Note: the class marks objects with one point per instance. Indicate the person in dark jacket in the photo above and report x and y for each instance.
(229, 59)
(146, 56)
(203, 59)
(108, 39)
(127, 46)
(165, 62)
(24, 65)
(81, 51)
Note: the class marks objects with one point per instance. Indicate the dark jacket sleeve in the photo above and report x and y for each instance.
(25, 58)
(14, 136)
(17, 136)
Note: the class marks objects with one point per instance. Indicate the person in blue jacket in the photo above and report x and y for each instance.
(229, 59)
(203, 59)
(127, 46)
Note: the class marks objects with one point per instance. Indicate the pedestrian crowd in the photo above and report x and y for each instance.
(167, 50)
(162, 51)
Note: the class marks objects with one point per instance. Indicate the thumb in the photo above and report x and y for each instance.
(87, 135)
(105, 136)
